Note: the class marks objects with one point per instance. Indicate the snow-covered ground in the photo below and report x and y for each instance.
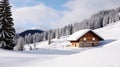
(107, 56)
(111, 31)
(58, 54)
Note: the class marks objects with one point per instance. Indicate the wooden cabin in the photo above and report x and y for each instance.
(85, 38)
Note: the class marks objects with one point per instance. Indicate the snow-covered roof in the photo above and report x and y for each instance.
(75, 36)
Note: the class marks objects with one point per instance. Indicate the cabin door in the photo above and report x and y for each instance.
(75, 45)
(93, 44)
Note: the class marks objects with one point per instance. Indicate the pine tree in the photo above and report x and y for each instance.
(49, 38)
(7, 32)
(20, 44)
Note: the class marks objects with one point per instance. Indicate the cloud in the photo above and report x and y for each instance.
(34, 15)
(76, 11)
(79, 10)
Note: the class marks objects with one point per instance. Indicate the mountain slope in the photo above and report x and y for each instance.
(30, 32)
(106, 56)
(111, 31)
(19, 29)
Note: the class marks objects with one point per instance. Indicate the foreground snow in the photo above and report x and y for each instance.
(107, 56)
(58, 54)
(16, 58)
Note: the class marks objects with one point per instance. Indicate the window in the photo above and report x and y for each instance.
(84, 39)
(93, 39)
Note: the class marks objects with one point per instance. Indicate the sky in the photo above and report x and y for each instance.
(50, 14)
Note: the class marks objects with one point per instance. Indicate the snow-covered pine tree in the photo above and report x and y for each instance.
(7, 32)
(49, 38)
(57, 31)
(35, 38)
(20, 44)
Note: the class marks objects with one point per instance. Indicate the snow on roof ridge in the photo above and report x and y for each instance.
(75, 36)
(97, 34)
(78, 34)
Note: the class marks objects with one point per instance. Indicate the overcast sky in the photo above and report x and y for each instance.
(49, 14)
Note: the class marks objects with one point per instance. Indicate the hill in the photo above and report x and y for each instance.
(26, 32)
(106, 55)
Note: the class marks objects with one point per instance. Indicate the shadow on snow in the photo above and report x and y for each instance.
(47, 51)
(105, 42)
